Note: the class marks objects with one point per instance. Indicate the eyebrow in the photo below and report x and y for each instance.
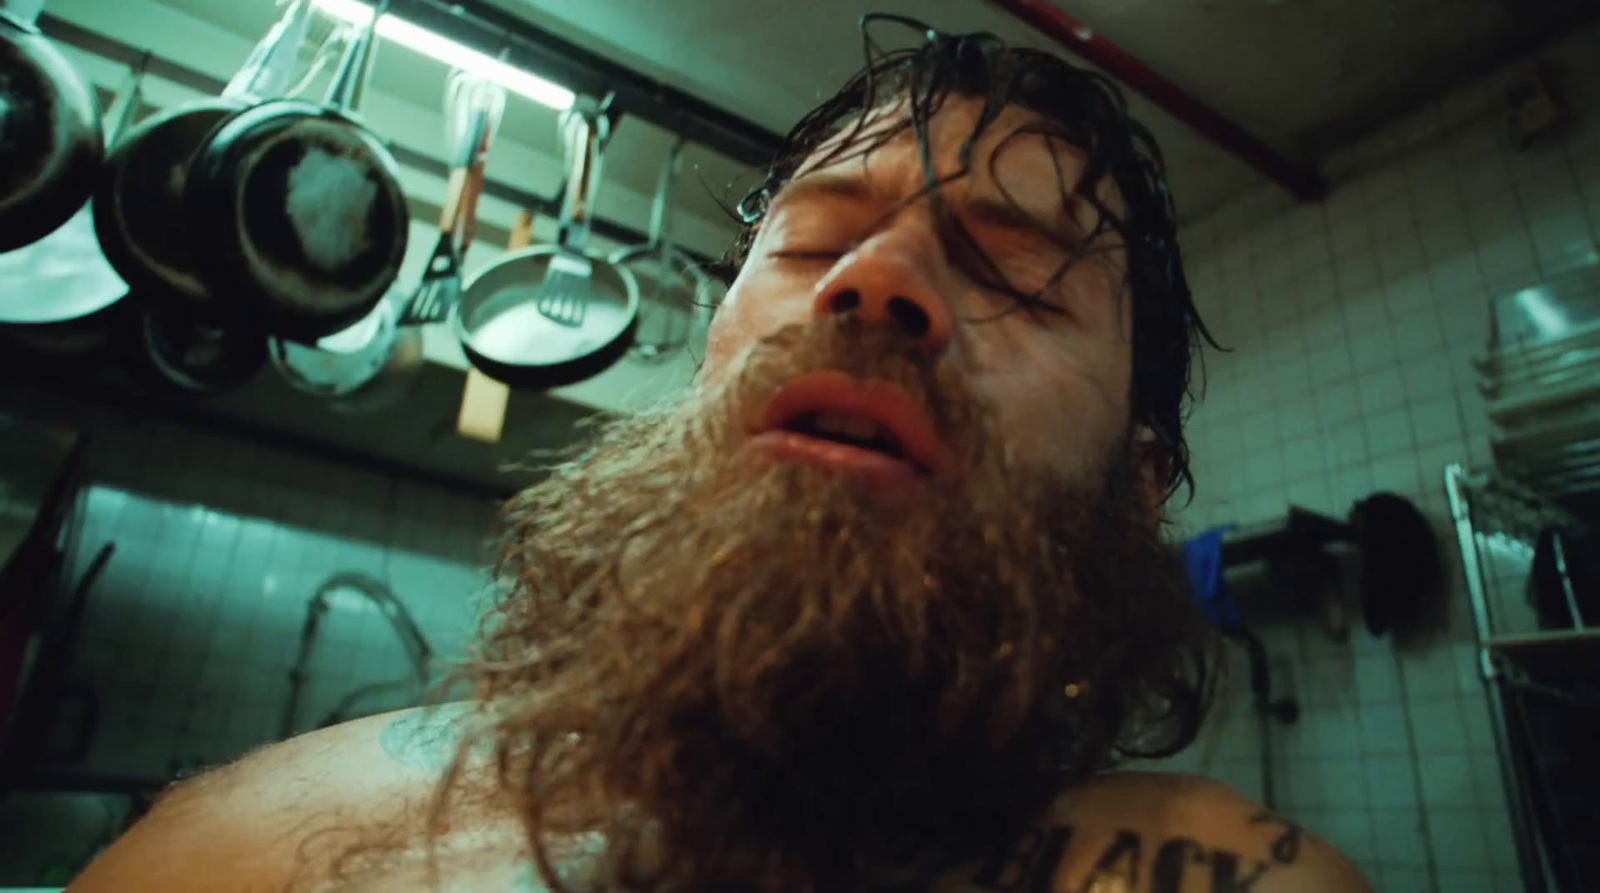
(985, 209)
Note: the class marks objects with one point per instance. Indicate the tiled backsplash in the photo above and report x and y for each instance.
(191, 629)
(1354, 322)
(194, 624)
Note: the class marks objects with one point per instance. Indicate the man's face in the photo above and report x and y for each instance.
(718, 623)
(862, 235)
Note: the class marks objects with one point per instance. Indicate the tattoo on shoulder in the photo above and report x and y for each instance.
(1286, 848)
(425, 739)
(1126, 864)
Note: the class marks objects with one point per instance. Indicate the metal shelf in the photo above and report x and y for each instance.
(1544, 639)
(1570, 654)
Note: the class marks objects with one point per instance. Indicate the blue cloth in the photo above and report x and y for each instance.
(1202, 558)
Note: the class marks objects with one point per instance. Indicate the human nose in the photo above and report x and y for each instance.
(888, 281)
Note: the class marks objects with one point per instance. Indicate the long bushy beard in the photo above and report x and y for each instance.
(753, 676)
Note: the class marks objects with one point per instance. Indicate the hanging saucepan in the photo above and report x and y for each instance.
(50, 142)
(173, 354)
(554, 315)
(371, 365)
(138, 205)
(340, 364)
(365, 368)
(189, 344)
(57, 294)
(673, 290)
(296, 209)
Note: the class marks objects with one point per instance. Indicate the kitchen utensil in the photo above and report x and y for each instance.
(672, 287)
(371, 364)
(172, 353)
(482, 415)
(473, 107)
(50, 140)
(562, 297)
(518, 320)
(342, 363)
(296, 210)
(395, 379)
(138, 204)
(64, 275)
(1401, 575)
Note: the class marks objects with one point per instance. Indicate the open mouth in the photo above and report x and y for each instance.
(868, 428)
(854, 430)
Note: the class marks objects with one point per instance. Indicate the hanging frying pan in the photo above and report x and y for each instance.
(482, 415)
(50, 142)
(296, 210)
(59, 295)
(554, 315)
(138, 205)
(372, 364)
(672, 287)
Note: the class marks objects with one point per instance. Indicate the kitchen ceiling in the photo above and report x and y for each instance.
(1307, 76)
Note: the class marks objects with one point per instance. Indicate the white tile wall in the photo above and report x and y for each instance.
(1354, 323)
(192, 628)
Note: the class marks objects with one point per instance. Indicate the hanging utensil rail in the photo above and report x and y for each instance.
(166, 69)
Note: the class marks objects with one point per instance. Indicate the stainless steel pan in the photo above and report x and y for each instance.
(555, 314)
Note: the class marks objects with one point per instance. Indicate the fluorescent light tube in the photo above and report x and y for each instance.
(453, 54)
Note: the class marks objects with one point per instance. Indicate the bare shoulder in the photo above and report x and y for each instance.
(1166, 833)
(252, 819)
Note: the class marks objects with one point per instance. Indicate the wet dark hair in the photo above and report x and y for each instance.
(1081, 107)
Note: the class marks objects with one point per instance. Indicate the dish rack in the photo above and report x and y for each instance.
(1540, 379)
(1542, 681)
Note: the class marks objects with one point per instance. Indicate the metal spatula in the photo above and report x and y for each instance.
(472, 109)
(564, 294)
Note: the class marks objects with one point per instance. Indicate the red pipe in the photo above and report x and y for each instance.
(1302, 180)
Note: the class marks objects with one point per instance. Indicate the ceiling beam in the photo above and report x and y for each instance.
(1302, 180)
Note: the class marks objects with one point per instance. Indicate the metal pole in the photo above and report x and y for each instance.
(1529, 854)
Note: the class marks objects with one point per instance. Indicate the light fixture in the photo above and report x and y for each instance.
(453, 54)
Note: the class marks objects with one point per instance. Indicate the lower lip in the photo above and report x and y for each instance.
(880, 472)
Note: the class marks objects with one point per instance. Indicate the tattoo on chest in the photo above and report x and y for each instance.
(1175, 865)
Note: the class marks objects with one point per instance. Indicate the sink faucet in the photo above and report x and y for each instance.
(379, 593)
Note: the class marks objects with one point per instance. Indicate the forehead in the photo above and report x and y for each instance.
(1019, 153)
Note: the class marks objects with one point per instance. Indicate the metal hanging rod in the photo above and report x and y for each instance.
(118, 51)
(489, 29)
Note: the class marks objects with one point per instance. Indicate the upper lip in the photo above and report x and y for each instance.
(875, 399)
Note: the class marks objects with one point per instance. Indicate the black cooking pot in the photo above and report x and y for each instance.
(296, 210)
(50, 140)
(138, 206)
